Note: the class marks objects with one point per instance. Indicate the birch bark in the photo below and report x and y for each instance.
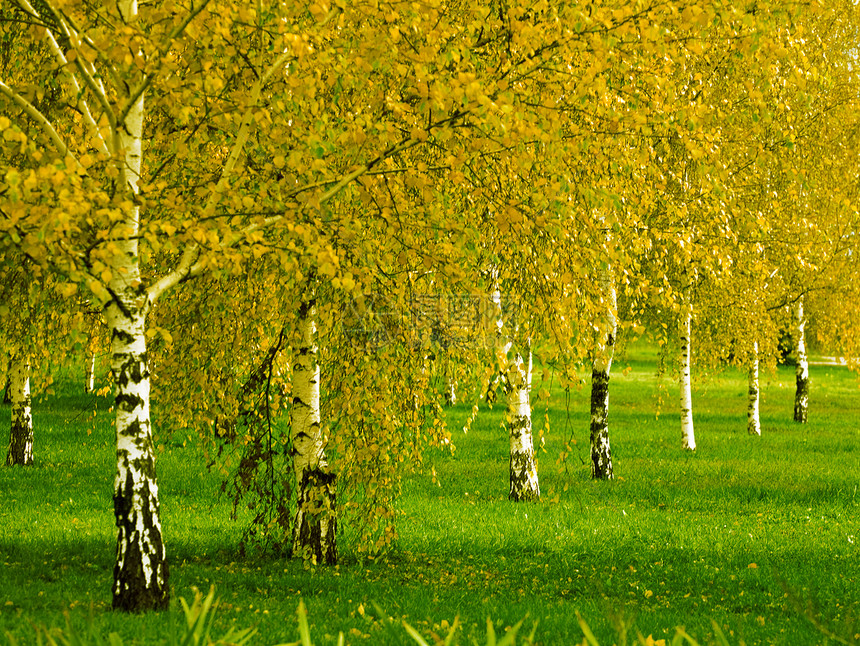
(21, 429)
(515, 376)
(753, 418)
(523, 468)
(601, 454)
(687, 433)
(450, 390)
(90, 373)
(501, 344)
(140, 572)
(801, 371)
(315, 526)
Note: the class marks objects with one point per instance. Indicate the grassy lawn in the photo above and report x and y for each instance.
(756, 536)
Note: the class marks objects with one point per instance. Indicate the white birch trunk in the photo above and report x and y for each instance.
(450, 390)
(801, 371)
(687, 434)
(601, 453)
(140, 571)
(315, 526)
(21, 428)
(753, 418)
(90, 373)
(501, 344)
(523, 468)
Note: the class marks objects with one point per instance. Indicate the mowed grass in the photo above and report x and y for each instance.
(756, 536)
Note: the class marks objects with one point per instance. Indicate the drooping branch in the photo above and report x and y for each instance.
(147, 80)
(44, 124)
(189, 260)
(190, 265)
(88, 75)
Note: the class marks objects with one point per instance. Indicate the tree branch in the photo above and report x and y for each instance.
(31, 111)
(57, 51)
(190, 255)
(147, 80)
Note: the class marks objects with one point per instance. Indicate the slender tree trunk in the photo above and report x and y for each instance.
(753, 419)
(523, 468)
(450, 390)
(140, 571)
(21, 431)
(501, 344)
(315, 526)
(687, 433)
(801, 371)
(90, 373)
(601, 453)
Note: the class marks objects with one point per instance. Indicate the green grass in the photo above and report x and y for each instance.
(757, 535)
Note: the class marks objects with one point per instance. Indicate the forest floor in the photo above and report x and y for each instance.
(751, 540)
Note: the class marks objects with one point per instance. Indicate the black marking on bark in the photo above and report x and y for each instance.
(125, 337)
(132, 368)
(145, 465)
(127, 401)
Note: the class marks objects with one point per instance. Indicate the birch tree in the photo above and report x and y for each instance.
(607, 330)
(513, 368)
(753, 397)
(110, 86)
(688, 436)
(801, 370)
(523, 468)
(315, 526)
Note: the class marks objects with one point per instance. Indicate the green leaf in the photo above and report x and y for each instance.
(414, 634)
(586, 630)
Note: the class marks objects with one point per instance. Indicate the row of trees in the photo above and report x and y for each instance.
(271, 207)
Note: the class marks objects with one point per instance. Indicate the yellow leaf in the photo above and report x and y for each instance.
(67, 289)
(650, 641)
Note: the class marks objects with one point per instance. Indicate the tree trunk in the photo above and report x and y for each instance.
(315, 526)
(801, 371)
(450, 390)
(687, 433)
(601, 453)
(753, 419)
(21, 430)
(90, 373)
(501, 344)
(140, 572)
(523, 468)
